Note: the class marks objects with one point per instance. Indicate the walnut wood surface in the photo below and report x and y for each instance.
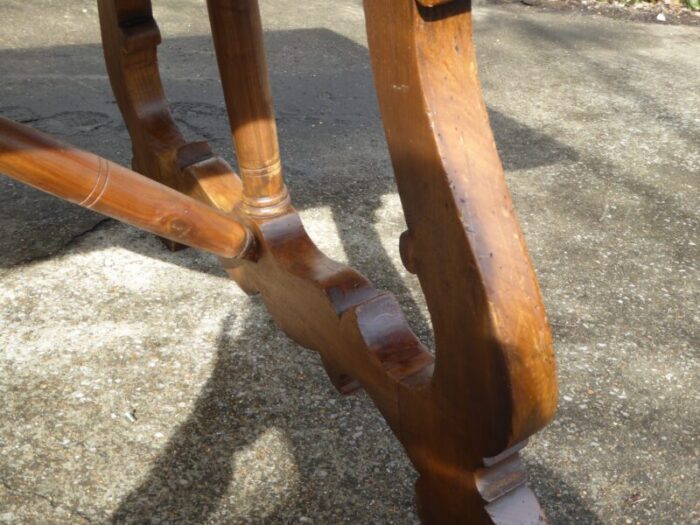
(465, 244)
(100, 185)
(494, 382)
(237, 33)
(463, 414)
(130, 37)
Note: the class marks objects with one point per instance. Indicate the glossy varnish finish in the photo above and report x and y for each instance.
(100, 185)
(237, 32)
(463, 414)
(494, 382)
(130, 37)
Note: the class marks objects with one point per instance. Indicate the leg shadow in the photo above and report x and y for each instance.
(232, 454)
(270, 441)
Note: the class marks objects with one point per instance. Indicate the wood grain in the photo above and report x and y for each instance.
(237, 33)
(103, 186)
(494, 383)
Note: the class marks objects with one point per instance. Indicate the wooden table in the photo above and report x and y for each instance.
(462, 412)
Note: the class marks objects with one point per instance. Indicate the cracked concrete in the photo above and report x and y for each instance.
(38, 496)
(141, 386)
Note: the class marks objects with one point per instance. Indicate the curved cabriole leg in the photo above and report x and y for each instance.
(494, 383)
(130, 37)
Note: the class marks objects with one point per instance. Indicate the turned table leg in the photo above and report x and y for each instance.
(238, 40)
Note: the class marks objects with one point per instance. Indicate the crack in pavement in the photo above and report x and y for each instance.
(62, 247)
(55, 504)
